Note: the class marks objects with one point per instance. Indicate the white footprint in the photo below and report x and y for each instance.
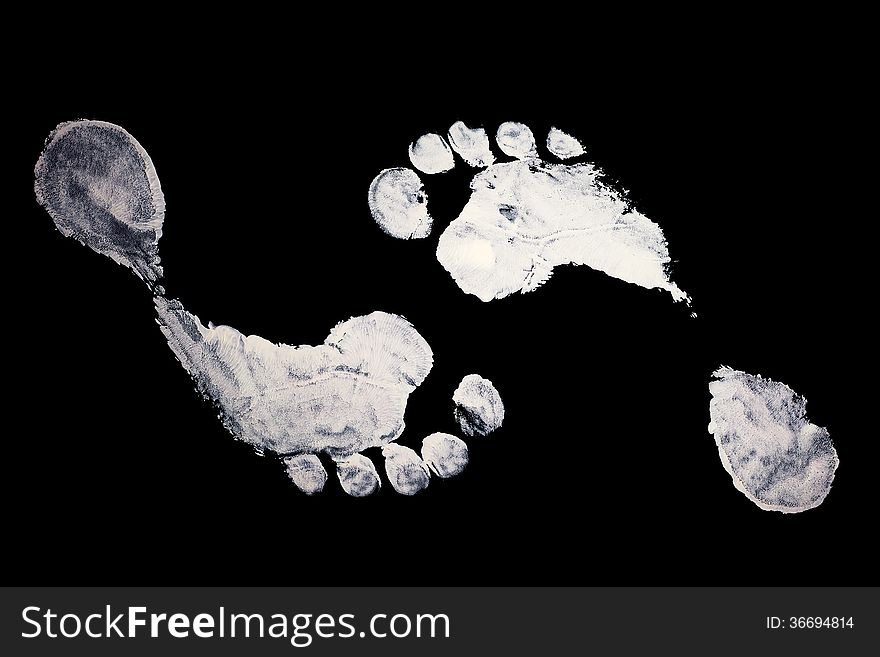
(525, 217)
(335, 399)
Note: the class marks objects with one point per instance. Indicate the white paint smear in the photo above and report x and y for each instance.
(406, 472)
(472, 144)
(399, 204)
(338, 398)
(774, 454)
(563, 145)
(527, 217)
(100, 187)
(478, 406)
(444, 454)
(431, 154)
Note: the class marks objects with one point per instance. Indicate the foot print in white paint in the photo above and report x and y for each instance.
(774, 454)
(338, 398)
(524, 217)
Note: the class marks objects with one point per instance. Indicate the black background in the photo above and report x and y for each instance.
(603, 473)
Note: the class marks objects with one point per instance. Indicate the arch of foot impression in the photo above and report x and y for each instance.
(100, 187)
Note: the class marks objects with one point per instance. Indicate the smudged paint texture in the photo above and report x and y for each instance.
(774, 454)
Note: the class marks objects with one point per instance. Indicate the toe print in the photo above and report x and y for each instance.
(527, 216)
(306, 472)
(472, 145)
(478, 406)
(562, 145)
(338, 398)
(407, 473)
(399, 205)
(516, 140)
(445, 455)
(431, 154)
(358, 476)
